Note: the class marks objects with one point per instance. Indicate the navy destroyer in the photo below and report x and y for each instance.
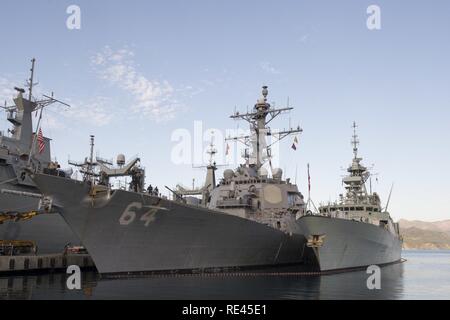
(247, 219)
(20, 200)
(355, 231)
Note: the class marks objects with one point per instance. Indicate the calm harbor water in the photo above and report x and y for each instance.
(425, 275)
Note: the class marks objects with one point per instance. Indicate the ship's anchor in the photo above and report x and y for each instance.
(315, 241)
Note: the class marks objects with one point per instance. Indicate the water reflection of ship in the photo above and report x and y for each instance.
(258, 284)
(353, 285)
(45, 286)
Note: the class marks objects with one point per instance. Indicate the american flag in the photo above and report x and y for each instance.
(41, 143)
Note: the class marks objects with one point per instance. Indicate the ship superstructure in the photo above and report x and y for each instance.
(250, 192)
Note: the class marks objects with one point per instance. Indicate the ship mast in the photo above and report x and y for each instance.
(358, 174)
(210, 182)
(212, 152)
(262, 115)
(89, 165)
(35, 106)
(355, 141)
(30, 82)
(91, 160)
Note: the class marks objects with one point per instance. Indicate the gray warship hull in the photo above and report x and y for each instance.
(130, 232)
(349, 244)
(49, 231)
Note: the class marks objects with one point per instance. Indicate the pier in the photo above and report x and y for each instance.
(43, 263)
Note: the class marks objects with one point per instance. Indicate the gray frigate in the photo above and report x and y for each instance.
(20, 200)
(247, 219)
(355, 231)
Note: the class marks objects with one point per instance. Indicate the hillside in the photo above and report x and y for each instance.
(425, 235)
(441, 226)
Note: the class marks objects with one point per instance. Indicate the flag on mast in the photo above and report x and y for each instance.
(41, 143)
(309, 180)
(294, 144)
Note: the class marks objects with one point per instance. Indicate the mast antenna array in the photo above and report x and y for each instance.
(259, 119)
(38, 105)
(30, 83)
(355, 140)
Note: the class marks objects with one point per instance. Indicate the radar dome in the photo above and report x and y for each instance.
(120, 160)
(68, 172)
(263, 172)
(277, 173)
(228, 174)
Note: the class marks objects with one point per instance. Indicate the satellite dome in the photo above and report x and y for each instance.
(263, 172)
(120, 160)
(68, 172)
(277, 173)
(228, 174)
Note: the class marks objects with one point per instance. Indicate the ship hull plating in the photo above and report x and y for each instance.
(348, 244)
(49, 231)
(132, 232)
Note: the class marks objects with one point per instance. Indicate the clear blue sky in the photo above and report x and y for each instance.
(138, 70)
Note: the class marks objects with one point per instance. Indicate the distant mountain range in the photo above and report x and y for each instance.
(425, 235)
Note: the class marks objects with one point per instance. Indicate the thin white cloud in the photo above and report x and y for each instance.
(267, 67)
(304, 38)
(152, 98)
(7, 92)
(94, 112)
